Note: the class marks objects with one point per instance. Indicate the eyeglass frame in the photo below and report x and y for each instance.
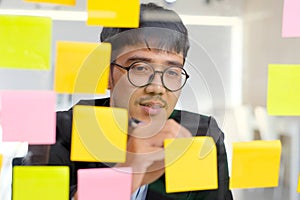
(153, 75)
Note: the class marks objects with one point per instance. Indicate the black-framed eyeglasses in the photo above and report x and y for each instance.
(141, 74)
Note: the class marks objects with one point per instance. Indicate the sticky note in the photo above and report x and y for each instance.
(1, 158)
(283, 90)
(104, 183)
(255, 164)
(99, 134)
(28, 116)
(63, 2)
(9, 150)
(40, 182)
(82, 67)
(298, 188)
(190, 164)
(290, 18)
(115, 13)
(25, 42)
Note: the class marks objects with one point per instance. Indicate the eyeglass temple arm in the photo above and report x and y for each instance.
(126, 68)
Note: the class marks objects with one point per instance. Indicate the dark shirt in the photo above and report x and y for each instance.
(198, 125)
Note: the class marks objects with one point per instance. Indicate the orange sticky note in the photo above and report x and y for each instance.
(99, 134)
(114, 13)
(283, 90)
(25, 42)
(255, 164)
(190, 164)
(63, 2)
(40, 182)
(82, 67)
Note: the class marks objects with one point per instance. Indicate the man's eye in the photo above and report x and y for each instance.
(173, 73)
(141, 69)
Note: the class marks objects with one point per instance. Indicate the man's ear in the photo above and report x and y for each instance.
(110, 80)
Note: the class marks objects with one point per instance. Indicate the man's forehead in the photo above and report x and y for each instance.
(148, 48)
(139, 51)
(147, 32)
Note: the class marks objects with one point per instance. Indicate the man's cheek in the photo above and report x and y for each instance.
(122, 93)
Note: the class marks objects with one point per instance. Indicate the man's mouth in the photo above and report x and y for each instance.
(151, 109)
(152, 101)
(152, 106)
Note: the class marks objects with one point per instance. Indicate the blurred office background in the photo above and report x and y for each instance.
(232, 43)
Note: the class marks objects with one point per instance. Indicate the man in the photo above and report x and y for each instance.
(146, 78)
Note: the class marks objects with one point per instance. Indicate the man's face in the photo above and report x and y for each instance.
(154, 100)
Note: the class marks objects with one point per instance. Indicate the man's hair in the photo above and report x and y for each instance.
(161, 27)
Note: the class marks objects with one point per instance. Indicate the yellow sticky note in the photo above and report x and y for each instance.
(283, 90)
(1, 158)
(40, 182)
(99, 134)
(114, 13)
(298, 188)
(25, 42)
(82, 67)
(190, 164)
(63, 2)
(255, 164)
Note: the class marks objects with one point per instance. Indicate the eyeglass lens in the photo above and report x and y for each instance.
(141, 74)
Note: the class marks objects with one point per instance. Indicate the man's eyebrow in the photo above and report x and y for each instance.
(138, 58)
(174, 63)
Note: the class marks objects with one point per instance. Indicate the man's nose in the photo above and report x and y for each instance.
(156, 77)
(155, 86)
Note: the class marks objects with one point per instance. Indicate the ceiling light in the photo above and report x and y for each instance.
(170, 1)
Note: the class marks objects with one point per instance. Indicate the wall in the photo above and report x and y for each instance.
(264, 45)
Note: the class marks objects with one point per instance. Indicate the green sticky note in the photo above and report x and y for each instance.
(25, 42)
(40, 182)
(283, 90)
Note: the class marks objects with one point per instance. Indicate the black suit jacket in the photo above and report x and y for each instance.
(197, 124)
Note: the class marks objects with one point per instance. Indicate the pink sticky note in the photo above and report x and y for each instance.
(104, 183)
(28, 116)
(290, 19)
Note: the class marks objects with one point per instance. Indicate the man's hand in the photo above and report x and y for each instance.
(145, 149)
